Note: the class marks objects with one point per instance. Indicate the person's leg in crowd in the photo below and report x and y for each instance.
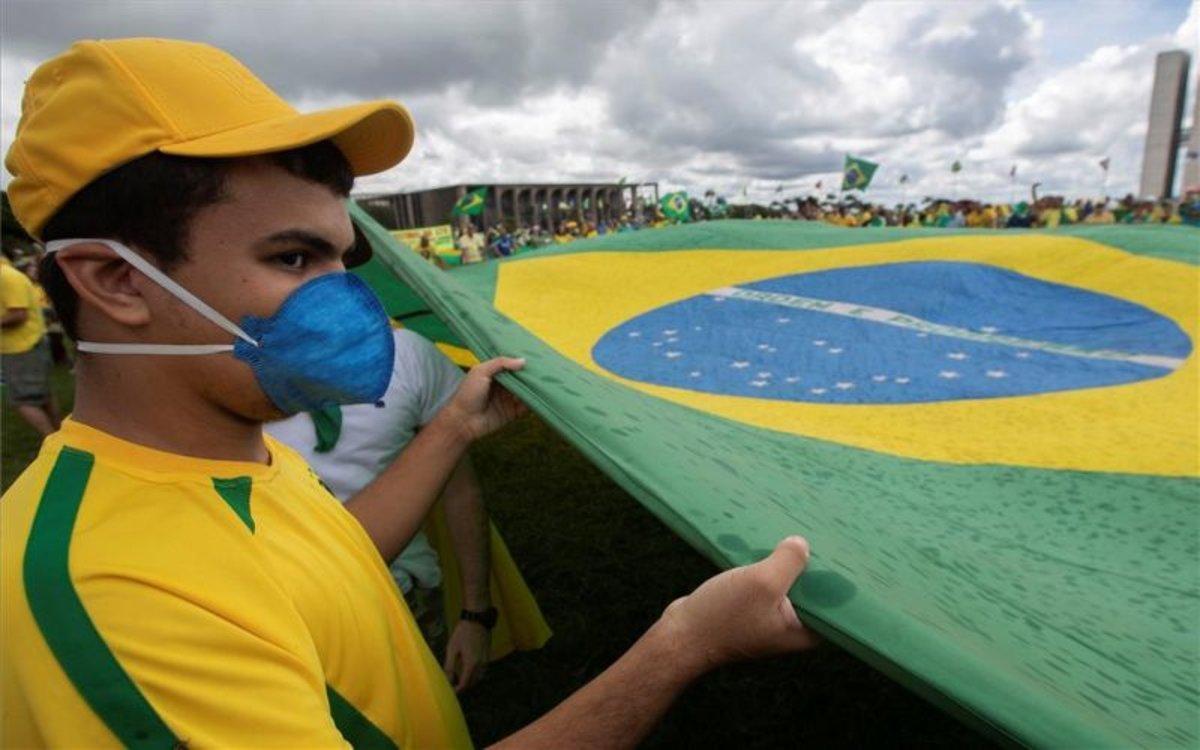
(27, 380)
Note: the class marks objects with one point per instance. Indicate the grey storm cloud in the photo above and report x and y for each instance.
(685, 91)
(354, 48)
(967, 72)
(740, 82)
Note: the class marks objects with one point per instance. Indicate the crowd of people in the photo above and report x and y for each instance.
(1044, 213)
(503, 239)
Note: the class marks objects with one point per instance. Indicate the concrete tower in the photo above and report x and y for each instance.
(1191, 163)
(1166, 115)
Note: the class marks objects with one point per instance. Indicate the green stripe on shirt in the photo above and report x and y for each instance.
(64, 622)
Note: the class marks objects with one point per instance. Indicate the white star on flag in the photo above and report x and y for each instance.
(673, 355)
(634, 334)
(879, 378)
(817, 391)
(783, 320)
(819, 342)
(792, 380)
(989, 329)
(671, 332)
(902, 381)
(763, 347)
(956, 355)
(758, 383)
(948, 374)
(741, 365)
(838, 350)
(764, 374)
(844, 386)
(1022, 355)
(673, 340)
(997, 374)
(694, 374)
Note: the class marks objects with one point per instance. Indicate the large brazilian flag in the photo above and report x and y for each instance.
(990, 439)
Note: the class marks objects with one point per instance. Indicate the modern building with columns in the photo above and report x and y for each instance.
(515, 204)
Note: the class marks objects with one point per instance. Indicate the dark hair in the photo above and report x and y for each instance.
(150, 201)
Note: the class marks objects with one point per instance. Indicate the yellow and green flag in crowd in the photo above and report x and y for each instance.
(675, 206)
(470, 204)
(857, 173)
(991, 440)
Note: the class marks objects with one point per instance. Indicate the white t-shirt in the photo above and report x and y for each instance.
(423, 379)
(471, 247)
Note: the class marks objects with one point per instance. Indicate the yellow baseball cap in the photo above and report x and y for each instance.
(101, 104)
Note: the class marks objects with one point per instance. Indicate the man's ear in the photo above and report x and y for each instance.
(106, 282)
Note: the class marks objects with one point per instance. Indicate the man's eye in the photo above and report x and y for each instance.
(296, 261)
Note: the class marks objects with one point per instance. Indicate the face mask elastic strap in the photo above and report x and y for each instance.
(96, 347)
(162, 280)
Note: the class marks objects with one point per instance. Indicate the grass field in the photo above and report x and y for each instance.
(603, 569)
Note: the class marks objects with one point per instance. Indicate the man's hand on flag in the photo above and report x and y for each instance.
(743, 613)
(481, 405)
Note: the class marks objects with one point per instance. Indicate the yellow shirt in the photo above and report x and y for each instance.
(18, 291)
(150, 599)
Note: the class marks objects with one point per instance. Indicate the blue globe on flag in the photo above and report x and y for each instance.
(912, 332)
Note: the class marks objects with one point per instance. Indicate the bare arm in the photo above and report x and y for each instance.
(469, 645)
(618, 708)
(467, 520)
(14, 316)
(392, 508)
(742, 613)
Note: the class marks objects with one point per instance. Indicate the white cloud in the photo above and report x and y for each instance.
(693, 94)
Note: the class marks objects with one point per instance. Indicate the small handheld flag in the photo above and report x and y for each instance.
(956, 166)
(1104, 163)
(470, 204)
(675, 206)
(857, 173)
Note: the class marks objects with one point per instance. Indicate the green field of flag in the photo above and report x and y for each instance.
(989, 437)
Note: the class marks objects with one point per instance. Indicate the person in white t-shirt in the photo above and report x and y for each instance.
(350, 446)
(471, 245)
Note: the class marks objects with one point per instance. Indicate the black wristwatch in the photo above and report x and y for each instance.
(486, 618)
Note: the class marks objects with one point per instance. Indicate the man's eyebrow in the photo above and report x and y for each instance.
(312, 240)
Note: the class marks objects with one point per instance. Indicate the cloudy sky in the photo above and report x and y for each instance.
(730, 96)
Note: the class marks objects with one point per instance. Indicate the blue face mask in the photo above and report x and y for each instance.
(329, 343)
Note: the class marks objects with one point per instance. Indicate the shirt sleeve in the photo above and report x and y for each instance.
(429, 376)
(215, 677)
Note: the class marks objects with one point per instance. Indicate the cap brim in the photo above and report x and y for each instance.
(374, 136)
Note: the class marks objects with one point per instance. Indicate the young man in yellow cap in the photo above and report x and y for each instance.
(171, 577)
